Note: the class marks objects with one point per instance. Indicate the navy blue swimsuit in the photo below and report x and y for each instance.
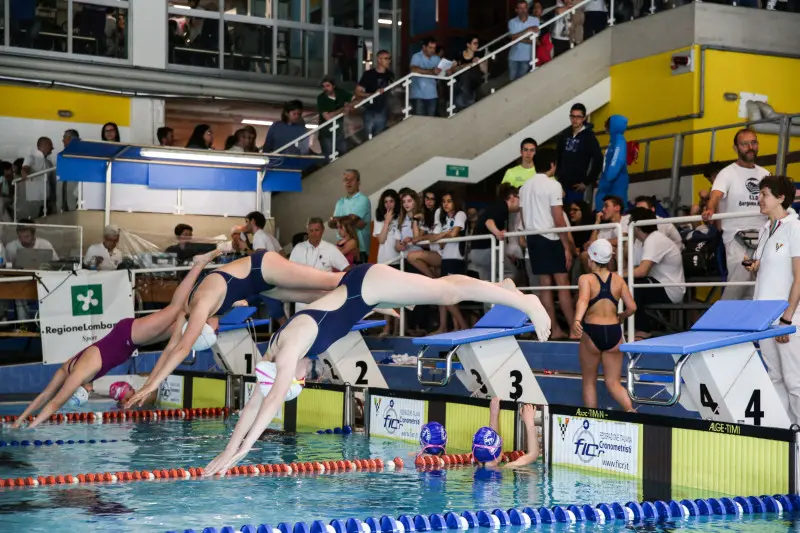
(241, 288)
(333, 325)
(604, 336)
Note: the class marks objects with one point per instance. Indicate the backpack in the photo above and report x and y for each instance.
(633, 152)
(700, 254)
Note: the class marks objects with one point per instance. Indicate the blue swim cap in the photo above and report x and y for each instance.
(433, 438)
(487, 445)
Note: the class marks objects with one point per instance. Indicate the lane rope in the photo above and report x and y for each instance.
(146, 415)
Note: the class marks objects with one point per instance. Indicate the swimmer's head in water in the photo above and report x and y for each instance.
(78, 398)
(265, 374)
(433, 438)
(121, 391)
(487, 445)
(207, 338)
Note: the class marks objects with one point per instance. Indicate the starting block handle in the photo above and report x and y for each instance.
(633, 379)
(448, 369)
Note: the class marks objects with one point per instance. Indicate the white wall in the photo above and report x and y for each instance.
(147, 115)
(148, 39)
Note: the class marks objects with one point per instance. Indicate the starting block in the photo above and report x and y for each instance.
(490, 354)
(350, 361)
(718, 371)
(235, 351)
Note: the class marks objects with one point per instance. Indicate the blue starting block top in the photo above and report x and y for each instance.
(237, 318)
(499, 322)
(726, 323)
(367, 324)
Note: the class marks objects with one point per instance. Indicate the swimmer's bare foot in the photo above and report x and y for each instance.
(206, 258)
(509, 285)
(539, 317)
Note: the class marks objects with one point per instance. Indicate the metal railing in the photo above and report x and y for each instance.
(31, 178)
(451, 79)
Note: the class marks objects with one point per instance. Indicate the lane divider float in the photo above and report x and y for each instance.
(147, 415)
(631, 512)
(346, 430)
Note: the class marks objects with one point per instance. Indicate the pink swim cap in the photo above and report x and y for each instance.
(118, 389)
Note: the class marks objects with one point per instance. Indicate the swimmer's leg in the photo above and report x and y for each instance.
(279, 271)
(385, 284)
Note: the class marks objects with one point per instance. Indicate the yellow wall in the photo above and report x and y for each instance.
(44, 104)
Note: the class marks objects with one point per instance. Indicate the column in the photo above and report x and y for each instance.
(148, 39)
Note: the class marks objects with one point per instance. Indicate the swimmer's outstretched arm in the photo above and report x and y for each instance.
(71, 384)
(44, 397)
(529, 418)
(494, 414)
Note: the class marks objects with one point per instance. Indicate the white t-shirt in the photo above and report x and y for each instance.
(110, 260)
(39, 244)
(386, 251)
(775, 276)
(667, 263)
(667, 229)
(36, 161)
(404, 231)
(451, 250)
(739, 187)
(264, 241)
(537, 197)
(324, 257)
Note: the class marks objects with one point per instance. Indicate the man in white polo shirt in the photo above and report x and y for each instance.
(736, 190)
(318, 253)
(777, 263)
(104, 255)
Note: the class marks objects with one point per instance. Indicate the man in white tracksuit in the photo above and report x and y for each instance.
(777, 264)
(736, 190)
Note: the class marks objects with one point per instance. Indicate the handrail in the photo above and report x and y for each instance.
(406, 80)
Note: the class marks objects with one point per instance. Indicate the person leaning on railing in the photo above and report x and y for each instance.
(777, 264)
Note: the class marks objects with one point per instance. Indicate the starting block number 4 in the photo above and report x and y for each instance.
(349, 361)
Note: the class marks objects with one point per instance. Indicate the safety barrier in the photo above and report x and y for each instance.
(148, 415)
(630, 512)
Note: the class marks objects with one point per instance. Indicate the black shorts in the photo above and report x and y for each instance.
(453, 266)
(546, 256)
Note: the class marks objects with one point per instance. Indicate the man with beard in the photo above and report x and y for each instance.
(736, 191)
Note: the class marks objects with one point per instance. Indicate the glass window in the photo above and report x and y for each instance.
(252, 8)
(300, 53)
(298, 10)
(99, 30)
(193, 40)
(248, 47)
(346, 51)
(45, 30)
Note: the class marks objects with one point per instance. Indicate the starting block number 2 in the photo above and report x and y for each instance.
(360, 366)
(753, 409)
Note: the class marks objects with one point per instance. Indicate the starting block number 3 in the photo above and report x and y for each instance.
(752, 410)
(515, 388)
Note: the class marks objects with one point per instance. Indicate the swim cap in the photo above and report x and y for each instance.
(601, 251)
(486, 445)
(206, 340)
(433, 438)
(266, 372)
(118, 389)
(78, 398)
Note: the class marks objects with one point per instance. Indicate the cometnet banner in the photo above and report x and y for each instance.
(597, 444)
(396, 418)
(77, 310)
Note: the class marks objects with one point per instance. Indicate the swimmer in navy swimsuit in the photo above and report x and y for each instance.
(314, 329)
(112, 350)
(597, 323)
(266, 273)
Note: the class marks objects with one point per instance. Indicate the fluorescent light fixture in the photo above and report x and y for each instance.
(178, 6)
(388, 22)
(211, 157)
(254, 122)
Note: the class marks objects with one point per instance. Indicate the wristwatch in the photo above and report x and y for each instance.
(784, 321)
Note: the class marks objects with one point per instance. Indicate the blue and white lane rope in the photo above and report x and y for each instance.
(529, 516)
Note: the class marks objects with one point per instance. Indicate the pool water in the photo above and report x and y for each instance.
(178, 505)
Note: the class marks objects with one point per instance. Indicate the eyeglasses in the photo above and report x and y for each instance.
(576, 116)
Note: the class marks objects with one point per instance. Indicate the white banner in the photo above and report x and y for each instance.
(396, 418)
(170, 393)
(249, 389)
(596, 444)
(77, 310)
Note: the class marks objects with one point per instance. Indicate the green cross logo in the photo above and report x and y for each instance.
(87, 300)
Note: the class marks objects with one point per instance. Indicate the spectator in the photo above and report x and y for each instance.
(318, 253)
(710, 173)
(202, 138)
(649, 202)
(291, 127)
(562, 33)
(255, 223)
(345, 51)
(355, 207)
(69, 136)
(777, 262)
(235, 245)
(104, 255)
(69, 190)
(595, 18)
(7, 190)
(348, 241)
(110, 132)
(468, 83)
(26, 238)
(550, 253)
(614, 178)
(332, 101)
(249, 141)
(183, 249)
(165, 136)
(580, 214)
(518, 175)
(231, 143)
(580, 159)
(39, 160)
(493, 220)
(661, 263)
(374, 81)
(385, 226)
(424, 94)
(521, 54)
(414, 226)
(736, 190)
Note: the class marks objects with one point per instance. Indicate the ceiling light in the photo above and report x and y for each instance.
(211, 157)
(178, 6)
(254, 122)
(388, 22)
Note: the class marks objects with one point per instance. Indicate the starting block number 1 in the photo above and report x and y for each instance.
(752, 411)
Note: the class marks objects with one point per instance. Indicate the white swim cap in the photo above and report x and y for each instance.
(206, 340)
(265, 374)
(78, 398)
(601, 251)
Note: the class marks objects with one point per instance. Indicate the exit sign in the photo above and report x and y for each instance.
(456, 171)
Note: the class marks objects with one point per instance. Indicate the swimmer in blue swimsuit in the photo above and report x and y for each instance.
(597, 323)
(314, 329)
(487, 444)
(263, 272)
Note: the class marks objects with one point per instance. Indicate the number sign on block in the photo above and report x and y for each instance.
(350, 361)
(235, 352)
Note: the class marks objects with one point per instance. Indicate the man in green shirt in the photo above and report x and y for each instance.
(331, 102)
(518, 175)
